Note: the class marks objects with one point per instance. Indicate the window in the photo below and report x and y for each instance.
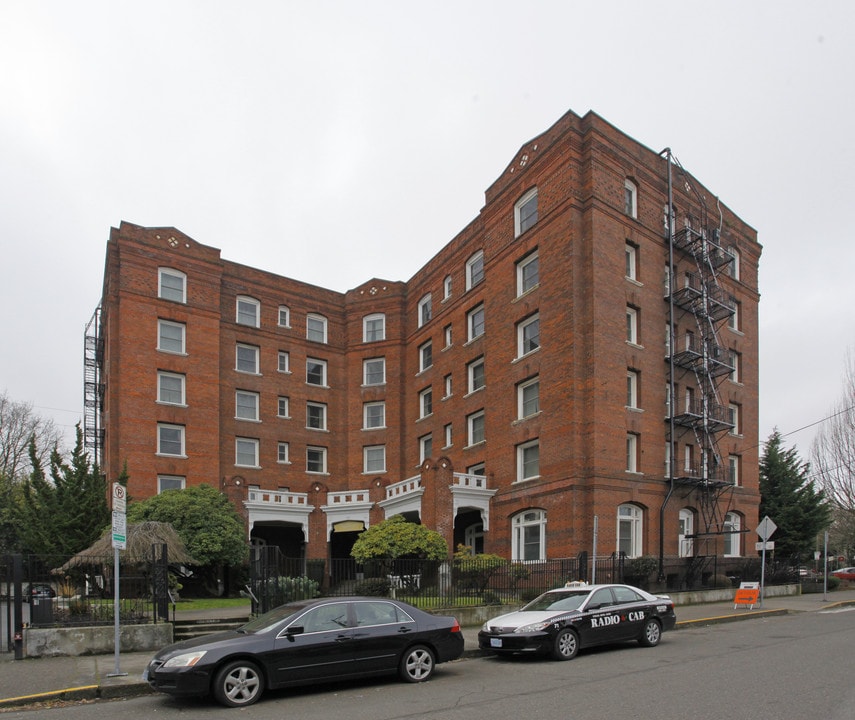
(246, 358)
(528, 273)
(448, 435)
(170, 439)
(284, 316)
(425, 310)
(528, 540)
(528, 335)
(525, 212)
(735, 412)
(630, 198)
(316, 372)
(731, 530)
(528, 398)
(425, 448)
(733, 268)
(733, 463)
(475, 427)
(446, 287)
(632, 261)
(733, 320)
(374, 371)
(475, 373)
(425, 356)
(283, 407)
(170, 482)
(316, 328)
(170, 336)
(246, 452)
(170, 388)
(448, 386)
(374, 328)
(632, 388)
(736, 364)
(475, 322)
(316, 459)
(629, 526)
(632, 325)
(246, 405)
(477, 469)
(374, 415)
(425, 403)
(446, 333)
(475, 270)
(172, 285)
(667, 459)
(631, 452)
(282, 452)
(316, 416)
(248, 311)
(528, 460)
(685, 543)
(374, 459)
(284, 362)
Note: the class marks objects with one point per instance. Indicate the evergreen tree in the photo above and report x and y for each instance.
(790, 498)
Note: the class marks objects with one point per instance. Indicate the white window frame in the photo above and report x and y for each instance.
(425, 447)
(734, 269)
(425, 356)
(316, 412)
(283, 360)
(525, 212)
(374, 328)
(369, 418)
(446, 287)
(734, 319)
(283, 407)
(170, 482)
(283, 453)
(247, 311)
(630, 527)
(164, 393)
(373, 459)
(632, 388)
(165, 291)
(632, 325)
(736, 361)
(630, 198)
(425, 310)
(323, 365)
(475, 322)
(321, 456)
(528, 533)
(528, 273)
(632, 262)
(732, 536)
(246, 402)
(735, 412)
(316, 328)
(449, 386)
(244, 447)
(686, 546)
(180, 439)
(733, 463)
(525, 398)
(632, 445)
(425, 403)
(448, 434)
(528, 460)
(528, 335)
(368, 371)
(475, 373)
(475, 270)
(476, 431)
(446, 334)
(255, 354)
(181, 342)
(284, 316)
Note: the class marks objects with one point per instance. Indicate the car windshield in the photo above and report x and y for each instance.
(274, 617)
(559, 600)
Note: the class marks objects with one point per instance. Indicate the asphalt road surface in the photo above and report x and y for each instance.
(780, 668)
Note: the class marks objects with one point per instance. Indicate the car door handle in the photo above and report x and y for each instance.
(403, 630)
(343, 638)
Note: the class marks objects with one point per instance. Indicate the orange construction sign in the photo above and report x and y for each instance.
(747, 594)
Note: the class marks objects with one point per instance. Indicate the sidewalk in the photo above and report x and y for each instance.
(40, 680)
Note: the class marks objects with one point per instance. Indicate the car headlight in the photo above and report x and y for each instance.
(533, 627)
(185, 659)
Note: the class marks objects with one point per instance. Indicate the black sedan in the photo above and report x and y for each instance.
(308, 641)
(562, 621)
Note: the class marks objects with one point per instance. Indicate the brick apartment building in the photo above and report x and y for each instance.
(521, 384)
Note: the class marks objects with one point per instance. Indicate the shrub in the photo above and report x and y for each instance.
(491, 598)
(719, 581)
(287, 589)
(375, 587)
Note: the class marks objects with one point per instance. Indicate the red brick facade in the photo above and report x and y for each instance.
(573, 439)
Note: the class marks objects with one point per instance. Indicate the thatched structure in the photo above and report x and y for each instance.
(139, 540)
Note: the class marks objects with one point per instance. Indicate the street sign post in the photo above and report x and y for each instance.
(120, 537)
(765, 530)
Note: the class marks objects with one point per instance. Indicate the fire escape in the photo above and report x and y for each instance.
(698, 363)
(93, 388)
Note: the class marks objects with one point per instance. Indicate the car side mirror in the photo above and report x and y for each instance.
(295, 630)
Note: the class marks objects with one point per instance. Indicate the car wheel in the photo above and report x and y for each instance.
(238, 684)
(417, 664)
(566, 645)
(652, 633)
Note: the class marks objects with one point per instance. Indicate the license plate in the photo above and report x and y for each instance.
(495, 642)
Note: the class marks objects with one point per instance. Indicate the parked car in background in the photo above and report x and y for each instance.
(562, 621)
(39, 590)
(847, 573)
(305, 642)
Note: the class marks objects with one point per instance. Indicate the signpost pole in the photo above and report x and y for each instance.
(119, 543)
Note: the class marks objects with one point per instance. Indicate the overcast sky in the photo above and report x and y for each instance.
(334, 142)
